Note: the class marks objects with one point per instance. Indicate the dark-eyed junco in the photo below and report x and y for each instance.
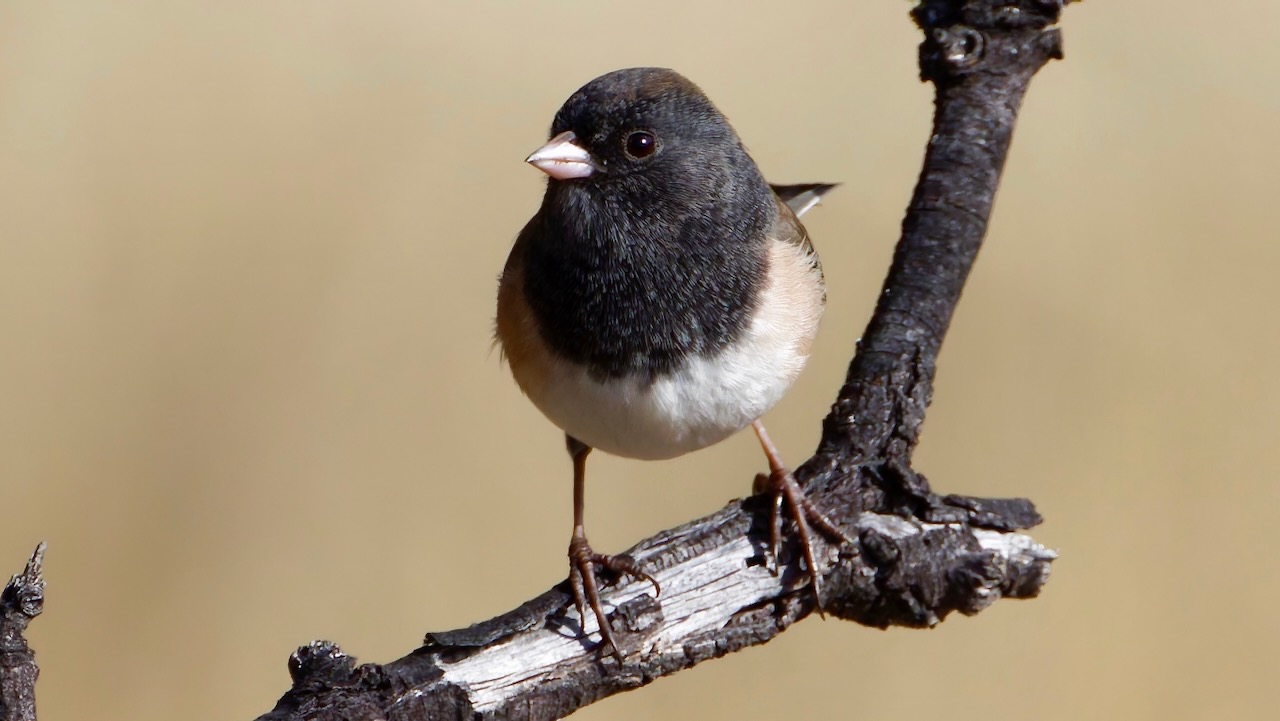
(663, 297)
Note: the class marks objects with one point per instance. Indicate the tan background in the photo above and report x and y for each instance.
(247, 268)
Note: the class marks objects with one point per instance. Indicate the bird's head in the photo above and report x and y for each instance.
(646, 127)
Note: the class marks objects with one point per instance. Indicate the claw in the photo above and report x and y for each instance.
(782, 484)
(583, 563)
(805, 516)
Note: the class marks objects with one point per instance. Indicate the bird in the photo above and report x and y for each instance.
(663, 297)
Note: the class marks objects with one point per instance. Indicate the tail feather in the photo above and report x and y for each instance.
(801, 197)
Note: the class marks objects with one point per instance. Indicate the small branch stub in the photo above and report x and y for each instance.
(20, 602)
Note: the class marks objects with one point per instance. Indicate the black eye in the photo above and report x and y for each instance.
(641, 144)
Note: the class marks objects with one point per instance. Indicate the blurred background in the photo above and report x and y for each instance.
(248, 258)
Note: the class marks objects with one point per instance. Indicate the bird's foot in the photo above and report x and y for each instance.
(583, 563)
(805, 515)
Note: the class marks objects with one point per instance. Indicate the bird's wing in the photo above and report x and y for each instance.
(788, 229)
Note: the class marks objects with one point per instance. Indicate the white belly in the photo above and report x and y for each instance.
(704, 401)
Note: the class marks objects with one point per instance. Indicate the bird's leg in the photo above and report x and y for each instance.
(782, 484)
(583, 561)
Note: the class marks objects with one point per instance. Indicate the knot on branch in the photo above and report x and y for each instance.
(959, 46)
(327, 684)
(322, 662)
(960, 37)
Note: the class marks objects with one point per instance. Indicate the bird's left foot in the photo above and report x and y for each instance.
(806, 516)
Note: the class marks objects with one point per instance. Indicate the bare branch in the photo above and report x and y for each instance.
(716, 599)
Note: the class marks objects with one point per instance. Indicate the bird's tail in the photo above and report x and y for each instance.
(802, 196)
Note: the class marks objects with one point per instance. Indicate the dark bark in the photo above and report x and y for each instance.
(21, 601)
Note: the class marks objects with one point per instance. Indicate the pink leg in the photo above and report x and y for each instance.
(583, 561)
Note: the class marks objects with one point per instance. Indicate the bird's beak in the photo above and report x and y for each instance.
(562, 158)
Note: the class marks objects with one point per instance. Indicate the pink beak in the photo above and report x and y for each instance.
(562, 158)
